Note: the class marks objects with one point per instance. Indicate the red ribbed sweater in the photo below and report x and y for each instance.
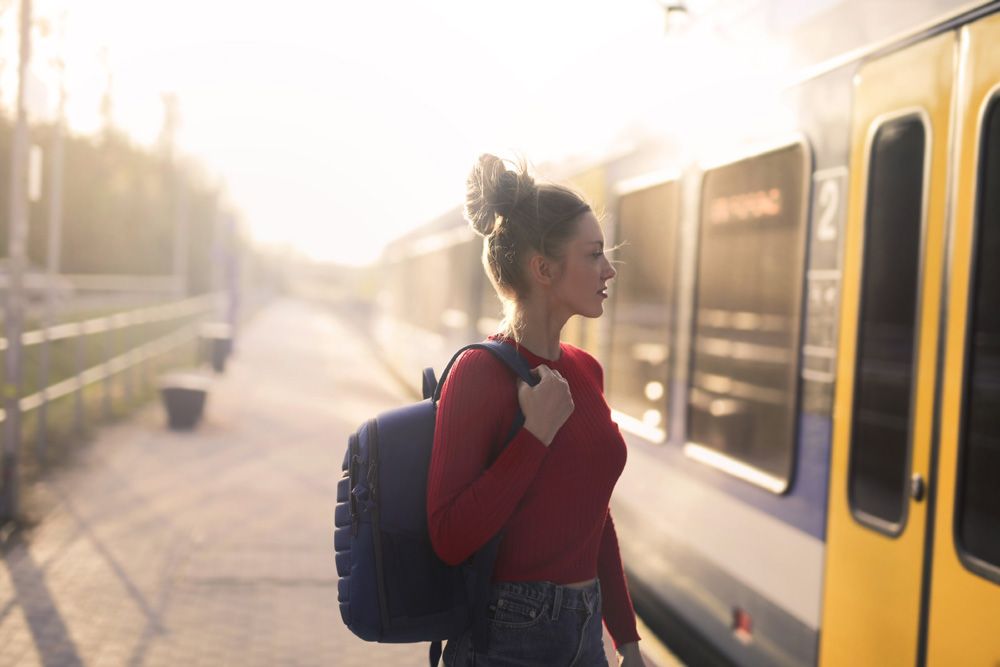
(551, 502)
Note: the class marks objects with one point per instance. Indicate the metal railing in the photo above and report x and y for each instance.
(115, 362)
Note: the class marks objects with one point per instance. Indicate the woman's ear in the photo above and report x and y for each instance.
(542, 269)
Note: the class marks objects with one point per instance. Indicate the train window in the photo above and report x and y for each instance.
(643, 290)
(743, 398)
(880, 432)
(978, 502)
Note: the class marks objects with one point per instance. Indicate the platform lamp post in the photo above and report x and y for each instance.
(168, 138)
(675, 14)
(17, 242)
(53, 254)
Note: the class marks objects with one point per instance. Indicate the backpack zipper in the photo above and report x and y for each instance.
(383, 606)
(352, 464)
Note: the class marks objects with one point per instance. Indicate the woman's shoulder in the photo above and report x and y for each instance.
(478, 367)
(479, 384)
(479, 359)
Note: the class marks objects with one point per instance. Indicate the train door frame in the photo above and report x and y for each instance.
(962, 596)
(874, 573)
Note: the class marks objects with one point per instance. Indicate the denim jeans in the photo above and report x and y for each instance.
(537, 624)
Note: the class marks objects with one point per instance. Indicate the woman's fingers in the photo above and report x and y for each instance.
(547, 405)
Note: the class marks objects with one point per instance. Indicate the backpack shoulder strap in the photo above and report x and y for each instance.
(502, 351)
(480, 572)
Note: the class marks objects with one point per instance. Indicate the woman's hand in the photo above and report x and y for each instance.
(629, 655)
(547, 405)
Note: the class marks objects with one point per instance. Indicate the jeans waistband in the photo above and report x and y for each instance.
(559, 597)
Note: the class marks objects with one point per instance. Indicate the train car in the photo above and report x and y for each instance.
(432, 298)
(803, 344)
(814, 473)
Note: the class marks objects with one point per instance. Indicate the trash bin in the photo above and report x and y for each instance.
(217, 344)
(184, 395)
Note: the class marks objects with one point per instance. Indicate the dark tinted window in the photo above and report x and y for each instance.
(743, 394)
(644, 303)
(979, 492)
(880, 432)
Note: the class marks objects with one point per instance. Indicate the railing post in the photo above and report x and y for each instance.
(78, 415)
(43, 384)
(53, 257)
(107, 342)
(149, 363)
(128, 351)
(141, 371)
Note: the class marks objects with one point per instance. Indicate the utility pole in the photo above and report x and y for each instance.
(107, 104)
(17, 244)
(171, 120)
(54, 252)
(675, 14)
(231, 274)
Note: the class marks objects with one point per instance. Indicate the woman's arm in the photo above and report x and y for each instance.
(616, 605)
(630, 655)
(468, 499)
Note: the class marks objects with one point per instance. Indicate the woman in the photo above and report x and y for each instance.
(558, 571)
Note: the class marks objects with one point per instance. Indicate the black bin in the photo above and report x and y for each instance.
(216, 344)
(184, 395)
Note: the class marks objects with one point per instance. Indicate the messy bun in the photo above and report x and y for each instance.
(492, 190)
(516, 216)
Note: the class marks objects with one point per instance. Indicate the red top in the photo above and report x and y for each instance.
(551, 502)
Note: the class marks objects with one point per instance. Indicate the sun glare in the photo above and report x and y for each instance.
(337, 126)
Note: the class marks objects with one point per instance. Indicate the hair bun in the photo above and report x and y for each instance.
(492, 190)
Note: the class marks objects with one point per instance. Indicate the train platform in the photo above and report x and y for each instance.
(212, 547)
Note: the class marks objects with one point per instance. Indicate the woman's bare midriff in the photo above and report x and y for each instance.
(581, 584)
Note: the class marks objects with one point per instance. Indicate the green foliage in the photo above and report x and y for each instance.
(120, 203)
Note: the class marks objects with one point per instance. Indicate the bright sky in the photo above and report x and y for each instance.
(336, 126)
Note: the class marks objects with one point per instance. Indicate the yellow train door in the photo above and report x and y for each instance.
(964, 626)
(884, 401)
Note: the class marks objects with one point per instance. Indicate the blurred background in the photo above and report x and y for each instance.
(257, 207)
(325, 130)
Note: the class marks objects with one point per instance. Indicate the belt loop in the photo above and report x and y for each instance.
(557, 602)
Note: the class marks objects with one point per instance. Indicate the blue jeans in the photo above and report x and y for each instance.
(537, 624)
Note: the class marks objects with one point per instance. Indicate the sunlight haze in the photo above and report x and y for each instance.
(335, 127)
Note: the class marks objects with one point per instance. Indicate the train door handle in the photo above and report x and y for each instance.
(918, 487)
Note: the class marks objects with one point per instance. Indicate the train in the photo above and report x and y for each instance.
(802, 345)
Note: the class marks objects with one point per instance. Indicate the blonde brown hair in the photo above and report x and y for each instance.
(516, 216)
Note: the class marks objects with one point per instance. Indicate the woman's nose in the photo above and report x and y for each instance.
(609, 271)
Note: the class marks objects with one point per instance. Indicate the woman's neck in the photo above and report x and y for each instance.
(540, 329)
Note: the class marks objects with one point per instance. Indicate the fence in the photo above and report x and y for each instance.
(118, 359)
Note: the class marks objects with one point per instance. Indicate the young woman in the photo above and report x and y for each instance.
(558, 572)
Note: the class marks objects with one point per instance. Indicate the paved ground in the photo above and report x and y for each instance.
(212, 547)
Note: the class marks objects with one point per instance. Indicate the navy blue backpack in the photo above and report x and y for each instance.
(393, 587)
